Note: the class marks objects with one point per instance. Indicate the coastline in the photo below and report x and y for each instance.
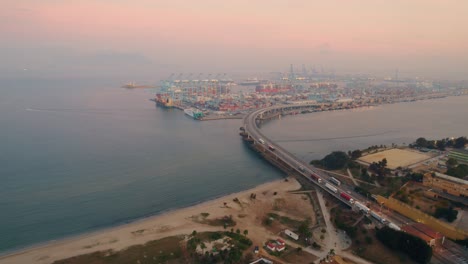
(140, 231)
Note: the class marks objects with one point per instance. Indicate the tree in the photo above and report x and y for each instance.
(441, 144)
(421, 142)
(336, 160)
(304, 228)
(246, 232)
(238, 231)
(203, 247)
(460, 171)
(460, 142)
(416, 248)
(451, 163)
(356, 154)
(194, 233)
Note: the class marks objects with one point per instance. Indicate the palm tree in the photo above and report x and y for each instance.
(246, 232)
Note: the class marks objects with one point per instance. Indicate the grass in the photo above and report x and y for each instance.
(166, 250)
(285, 220)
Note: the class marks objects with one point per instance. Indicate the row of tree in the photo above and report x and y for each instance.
(441, 144)
(448, 213)
(416, 248)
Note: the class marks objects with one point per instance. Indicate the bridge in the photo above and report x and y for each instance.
(291, 164)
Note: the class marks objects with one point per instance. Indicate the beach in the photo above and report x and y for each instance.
(178, 222)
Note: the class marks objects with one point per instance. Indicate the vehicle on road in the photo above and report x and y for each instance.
(316, 178)
(331, 187)
(347, 197)
(335, 181)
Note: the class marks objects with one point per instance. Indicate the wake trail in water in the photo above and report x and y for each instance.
(332, 138)
(80, 111)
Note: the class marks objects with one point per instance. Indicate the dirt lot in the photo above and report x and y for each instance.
(396, 157)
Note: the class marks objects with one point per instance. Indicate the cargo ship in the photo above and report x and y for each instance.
(194, 113)
(164, 100)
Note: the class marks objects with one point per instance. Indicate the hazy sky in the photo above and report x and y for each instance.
(144, 38)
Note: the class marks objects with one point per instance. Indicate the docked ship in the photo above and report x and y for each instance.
(164, 100)
(194, 113)
(250, 81)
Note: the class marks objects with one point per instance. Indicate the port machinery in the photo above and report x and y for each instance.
(251, 133)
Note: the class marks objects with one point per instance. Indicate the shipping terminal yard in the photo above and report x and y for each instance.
(260, 100)
(212, 97)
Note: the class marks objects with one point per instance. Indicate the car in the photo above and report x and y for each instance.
(256, 250)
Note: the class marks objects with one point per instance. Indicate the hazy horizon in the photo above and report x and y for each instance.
(140, 40)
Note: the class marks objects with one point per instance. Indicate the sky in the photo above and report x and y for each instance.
(148, 38)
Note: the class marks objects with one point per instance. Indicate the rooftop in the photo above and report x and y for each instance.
(450, 178)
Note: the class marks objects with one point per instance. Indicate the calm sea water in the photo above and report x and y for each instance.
(312, 136)
(78, 156)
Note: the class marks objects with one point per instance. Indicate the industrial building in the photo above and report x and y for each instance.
(446, 184)
(424, 232)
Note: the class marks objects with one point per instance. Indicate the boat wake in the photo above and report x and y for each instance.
(332, 138)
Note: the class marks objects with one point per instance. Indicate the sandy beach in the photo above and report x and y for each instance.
(172, 223)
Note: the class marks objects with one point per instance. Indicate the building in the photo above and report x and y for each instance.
(280, 241)
(271, 246)
(413, 231)
(446, 184)
(460, 155)
(291, 234)
(280, 248)
(424, 232)
(262, 261)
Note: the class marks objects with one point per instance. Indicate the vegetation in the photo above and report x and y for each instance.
(285, 220)
(417, 177)
(239, 243)
(380, 168)
(163, 250)
(304, 229)
(441, 144)
(459, 171)
(334, 161)
(448, 213)
(355, 154)
(451, 163)
(416, 248)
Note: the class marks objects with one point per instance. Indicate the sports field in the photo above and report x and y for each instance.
(396, 158)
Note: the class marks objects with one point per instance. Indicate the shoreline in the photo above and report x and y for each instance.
(103, 239)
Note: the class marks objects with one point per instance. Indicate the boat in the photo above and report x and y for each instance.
(164, 100)
(194, 113)
(250, 81)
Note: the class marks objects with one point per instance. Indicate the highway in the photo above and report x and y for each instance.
(300, 166)
(444, 254)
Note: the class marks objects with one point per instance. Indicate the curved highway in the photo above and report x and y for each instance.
(341, 192)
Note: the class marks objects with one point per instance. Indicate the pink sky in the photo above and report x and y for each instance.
(261, 35)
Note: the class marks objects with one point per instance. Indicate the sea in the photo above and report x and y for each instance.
(82, 155)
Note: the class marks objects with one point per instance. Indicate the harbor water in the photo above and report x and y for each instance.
(81, 155)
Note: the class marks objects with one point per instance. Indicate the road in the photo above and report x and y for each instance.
(453, 254)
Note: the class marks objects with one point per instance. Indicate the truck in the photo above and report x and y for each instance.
(316, 178)
(331, 187)
(335, 181)
(378, 217)
(301, 168)
(362, 207)
(347, 197)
